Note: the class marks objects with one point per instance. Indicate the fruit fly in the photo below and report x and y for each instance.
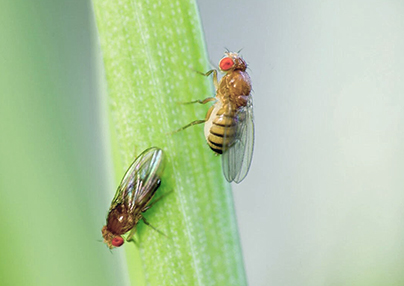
(133, 196)
(229, 123)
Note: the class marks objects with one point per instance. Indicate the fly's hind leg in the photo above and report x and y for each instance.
(196, 122)
(155, 201)
(148, 224)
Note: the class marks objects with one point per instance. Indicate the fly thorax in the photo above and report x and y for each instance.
(120, 220)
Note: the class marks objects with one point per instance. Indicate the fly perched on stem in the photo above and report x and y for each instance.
(229, 123)
(133, 196)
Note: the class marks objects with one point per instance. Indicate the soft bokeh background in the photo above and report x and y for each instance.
(54, 168)
(324, 201)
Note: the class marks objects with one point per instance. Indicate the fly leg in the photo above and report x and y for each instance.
(206, 100)
(131, 234)
(155, 201)
(133, 230)
(196, 121)
(189, 125)
(215, 81)
(148, 224)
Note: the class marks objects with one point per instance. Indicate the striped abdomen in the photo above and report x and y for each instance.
(220, 123)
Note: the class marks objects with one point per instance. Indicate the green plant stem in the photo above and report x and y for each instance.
(150, 51)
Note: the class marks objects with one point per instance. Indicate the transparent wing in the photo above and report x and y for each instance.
(141, 180)
(239, 144)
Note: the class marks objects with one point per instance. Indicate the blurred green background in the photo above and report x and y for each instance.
(54, 176)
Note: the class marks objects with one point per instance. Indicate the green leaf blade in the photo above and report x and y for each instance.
(150, 51)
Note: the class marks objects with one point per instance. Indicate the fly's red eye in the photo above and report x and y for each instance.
(226, 64)
(117, 241)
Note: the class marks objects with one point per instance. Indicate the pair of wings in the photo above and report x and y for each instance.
(141, 181)
(236, 157)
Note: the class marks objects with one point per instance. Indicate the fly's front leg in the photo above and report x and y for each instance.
(215, 81)
(206, 100)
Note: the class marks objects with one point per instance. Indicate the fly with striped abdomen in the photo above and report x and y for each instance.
(133, 196)
(229, 123)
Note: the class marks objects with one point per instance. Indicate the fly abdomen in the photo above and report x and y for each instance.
(215, 143)
(221, 132)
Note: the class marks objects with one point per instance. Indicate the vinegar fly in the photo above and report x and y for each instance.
(133, 196)
(229, 123)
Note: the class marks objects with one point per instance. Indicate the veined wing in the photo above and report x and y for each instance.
(237, 154)
(141, 180)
